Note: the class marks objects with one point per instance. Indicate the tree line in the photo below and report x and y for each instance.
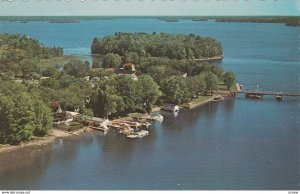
(120, 95)
(171, 46)
(23, 114)
(20, 55)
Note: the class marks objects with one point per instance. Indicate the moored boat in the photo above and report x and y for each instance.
(279, 97)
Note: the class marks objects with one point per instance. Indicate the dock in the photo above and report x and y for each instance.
(128, 128)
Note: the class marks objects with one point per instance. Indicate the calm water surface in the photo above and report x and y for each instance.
(234, 144)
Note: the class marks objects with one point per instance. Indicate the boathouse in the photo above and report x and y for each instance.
(171, 107)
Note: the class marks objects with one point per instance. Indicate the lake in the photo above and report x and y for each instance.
(232, 144)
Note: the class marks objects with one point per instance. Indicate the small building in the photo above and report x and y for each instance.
(95, 79)
(129, 67)
(170, 107)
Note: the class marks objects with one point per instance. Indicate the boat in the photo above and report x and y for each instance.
(157, 116)
(132, 136)
(218, 98)
(142, 133)
(279, 97)
(138, 134)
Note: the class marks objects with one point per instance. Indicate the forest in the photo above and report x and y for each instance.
(20, 55)
(171, 46)
(33, 80)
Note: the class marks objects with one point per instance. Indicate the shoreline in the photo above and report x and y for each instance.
(57, 134)
(216, 58)
(42, 141)
(196, 102)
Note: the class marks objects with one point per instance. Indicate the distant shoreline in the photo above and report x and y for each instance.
(287, 20)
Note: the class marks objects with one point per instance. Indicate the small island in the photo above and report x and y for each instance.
(42, 90)
(63, 21)
(287, 20)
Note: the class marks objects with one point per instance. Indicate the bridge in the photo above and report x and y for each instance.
(273, 93)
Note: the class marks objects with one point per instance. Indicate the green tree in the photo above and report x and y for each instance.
(87, 112)
(97, 61)
(111, 60)
(43, 118)
(21, 54)
(175, 89)
(6, 120)
(50, 83)
(211, 81)
(132, 57)
(159, 72)
(27, 66)
(196, 84)
(125, 88)
(50, 72)
(158, 45)
(119, 95)
(23, 113)
(17, 116)
(148, 92)
(77, 68)
(229, 79)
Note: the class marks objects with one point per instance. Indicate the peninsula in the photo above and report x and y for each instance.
(131, 72)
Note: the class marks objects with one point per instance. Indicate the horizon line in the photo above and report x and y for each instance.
(149, 15)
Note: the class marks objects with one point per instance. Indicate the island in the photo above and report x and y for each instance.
(287, 20)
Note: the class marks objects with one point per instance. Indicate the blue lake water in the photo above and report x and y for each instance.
(233, 144)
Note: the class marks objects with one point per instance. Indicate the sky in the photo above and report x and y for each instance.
(148, 7)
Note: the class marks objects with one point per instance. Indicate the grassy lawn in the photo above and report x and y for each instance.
(223, 87)
(200, 99)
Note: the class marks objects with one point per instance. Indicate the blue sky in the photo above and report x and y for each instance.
(149, 7)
